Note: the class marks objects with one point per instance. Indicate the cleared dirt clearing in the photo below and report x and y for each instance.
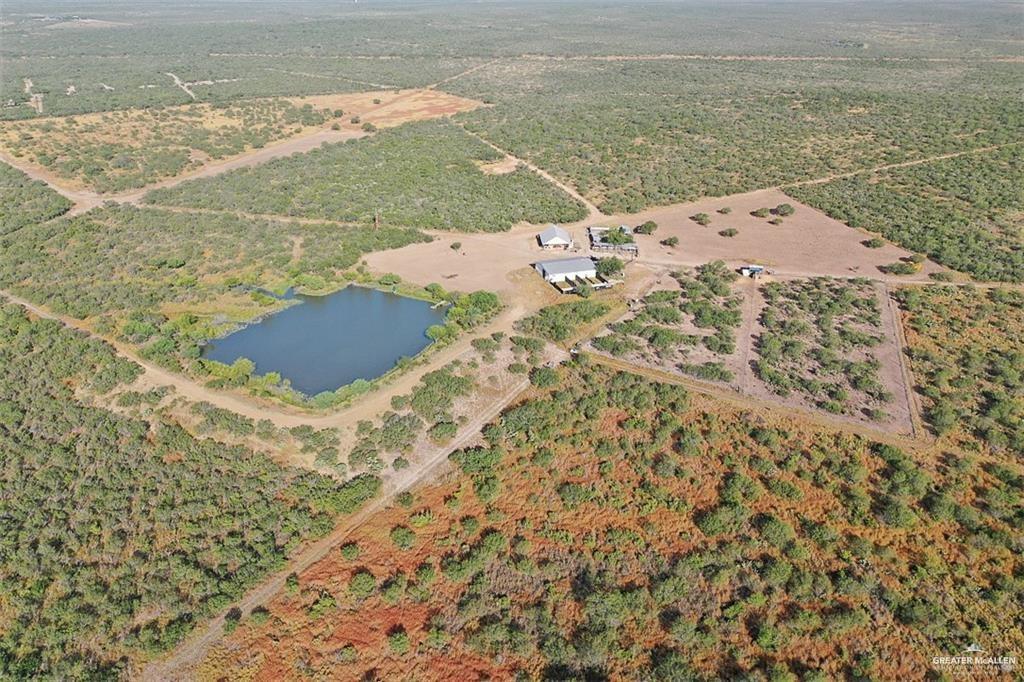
(806, 244)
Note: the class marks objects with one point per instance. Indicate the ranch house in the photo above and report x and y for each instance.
(555, 237)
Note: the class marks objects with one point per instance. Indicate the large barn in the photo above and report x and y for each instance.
(566, 268)
(566, 274)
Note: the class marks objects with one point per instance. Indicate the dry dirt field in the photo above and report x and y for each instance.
(808, 243)
(481, 261)
(390, 108)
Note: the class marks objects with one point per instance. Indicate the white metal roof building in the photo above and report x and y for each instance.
(566, 268)
(555, 237)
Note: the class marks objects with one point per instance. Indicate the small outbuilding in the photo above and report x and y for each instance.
(555, 237)
(754, 271)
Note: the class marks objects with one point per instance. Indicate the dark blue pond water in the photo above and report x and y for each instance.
(324, 342)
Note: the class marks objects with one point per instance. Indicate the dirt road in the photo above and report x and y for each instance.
(468, 71)
(182, 84)
(594, 213)
(84, 199)
(891, 166)
(192, 651)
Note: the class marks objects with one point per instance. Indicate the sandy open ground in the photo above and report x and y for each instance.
(807, 243)
(392, 107)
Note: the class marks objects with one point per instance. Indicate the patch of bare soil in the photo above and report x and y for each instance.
(85, 23)
(503, 167)
(806, 243)
(465, 261)
(390, 108)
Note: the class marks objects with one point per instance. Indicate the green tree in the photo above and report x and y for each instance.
(609, 267)
(362, 584)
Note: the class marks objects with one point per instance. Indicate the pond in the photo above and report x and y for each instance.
(325, 342)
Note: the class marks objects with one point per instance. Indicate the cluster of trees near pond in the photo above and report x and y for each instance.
(122, 258)
(135, 270)
(120, 533)
(127, 265)
(663, 541)
(423, 175)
